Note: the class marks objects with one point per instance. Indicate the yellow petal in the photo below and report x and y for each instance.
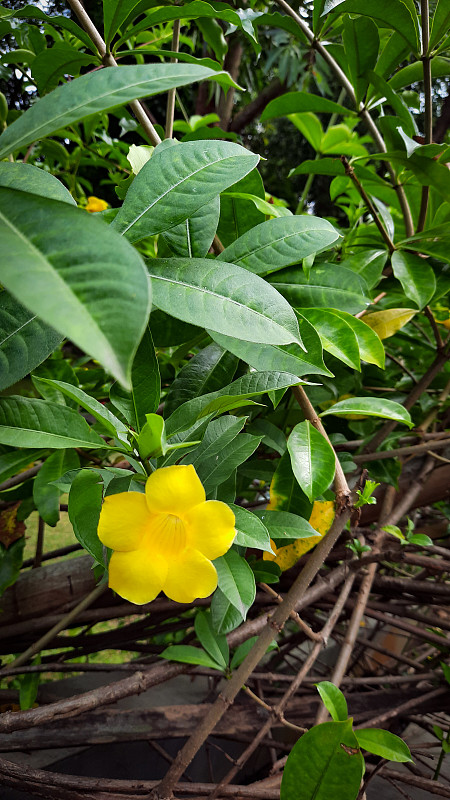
(123, 520)
(174, 490)
(190, 576)
(138, 576)
(210, 528)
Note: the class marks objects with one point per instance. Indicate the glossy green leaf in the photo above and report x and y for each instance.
(434, 242)
(289, 357)
(177, 181)
(214, 644)
(298, 102)
(369, 343)
(285, 525)
(285, 491)
(85, 500)
(440, 23)
(328, 286)
(216, 469)
(46, 495)
(367, 263)
(26, 422)
(398, 15)
(384, 744)
(236, 215)
(187, 654)
(27, 178)
(280, 242)
(98, 91)
(219, 433)
(361, 43)
(229, 300)
(209, 370)
(415, 275)
(69, 268)
(333, 700)
(336, 335)
(384, 90)
(25, 341)
(145, 381)
(15, 461)
(371, 407)
(109, 421)
(250, 530)
(193, 237)
(325, 762)
(312, 458)
(115, 12)
(152, 437)
(249, 385)
(236, 584)
(273, 437)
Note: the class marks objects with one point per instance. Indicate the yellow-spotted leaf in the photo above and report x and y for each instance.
(285, 492)
(386, 323)
(288, 555)
(322, 516)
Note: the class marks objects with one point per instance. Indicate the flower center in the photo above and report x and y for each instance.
(166, 534)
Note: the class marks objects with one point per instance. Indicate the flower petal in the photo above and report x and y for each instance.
(123, 520)
(210, 528)
(137, 576)
(190, 576)
(174, 490)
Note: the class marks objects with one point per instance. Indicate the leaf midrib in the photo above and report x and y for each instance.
(222, 297)
(274, 242)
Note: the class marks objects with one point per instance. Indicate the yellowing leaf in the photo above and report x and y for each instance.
(386, 323)
(321, 519)
(322, 516)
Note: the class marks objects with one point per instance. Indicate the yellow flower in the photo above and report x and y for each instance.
(95, 204)
(164, 540)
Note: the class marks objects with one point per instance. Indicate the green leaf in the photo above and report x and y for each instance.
(420, 539)
(288, 357)
(236, 582)
(218, 435)
(280, 242)
(25, 341)
(214, 644)
(26, 178)
(109, 421)
(336, 335)
(187, 654)
(229, 300)
(284, 525)
(236, 215)
(85, 500)
(361, 43)
(298, 102)
(371, 407)
(312, 458)
(250, 385)
(434, 241)
(52, 64)
(26, 422)
(415, 275)
(152, 438)
(333, 700)
(16, 461)
(206, 372)
(399, 15)
(250, 530)
(325, 762)
(383, 743)
(115, 12)
(34, 12)
(69, 268)
(11, 559)
(243, 650)
(370, 346)
(328, 286)
(385, 90)
(285, 492)
(266, 208)
(95, 92)
(216, 469)
(440, 23)
(193, 237)
(193, 10)
(368, 264)
(145, 381)
(177, 181)
(46, 495)
(273, 437)
(29, 685)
